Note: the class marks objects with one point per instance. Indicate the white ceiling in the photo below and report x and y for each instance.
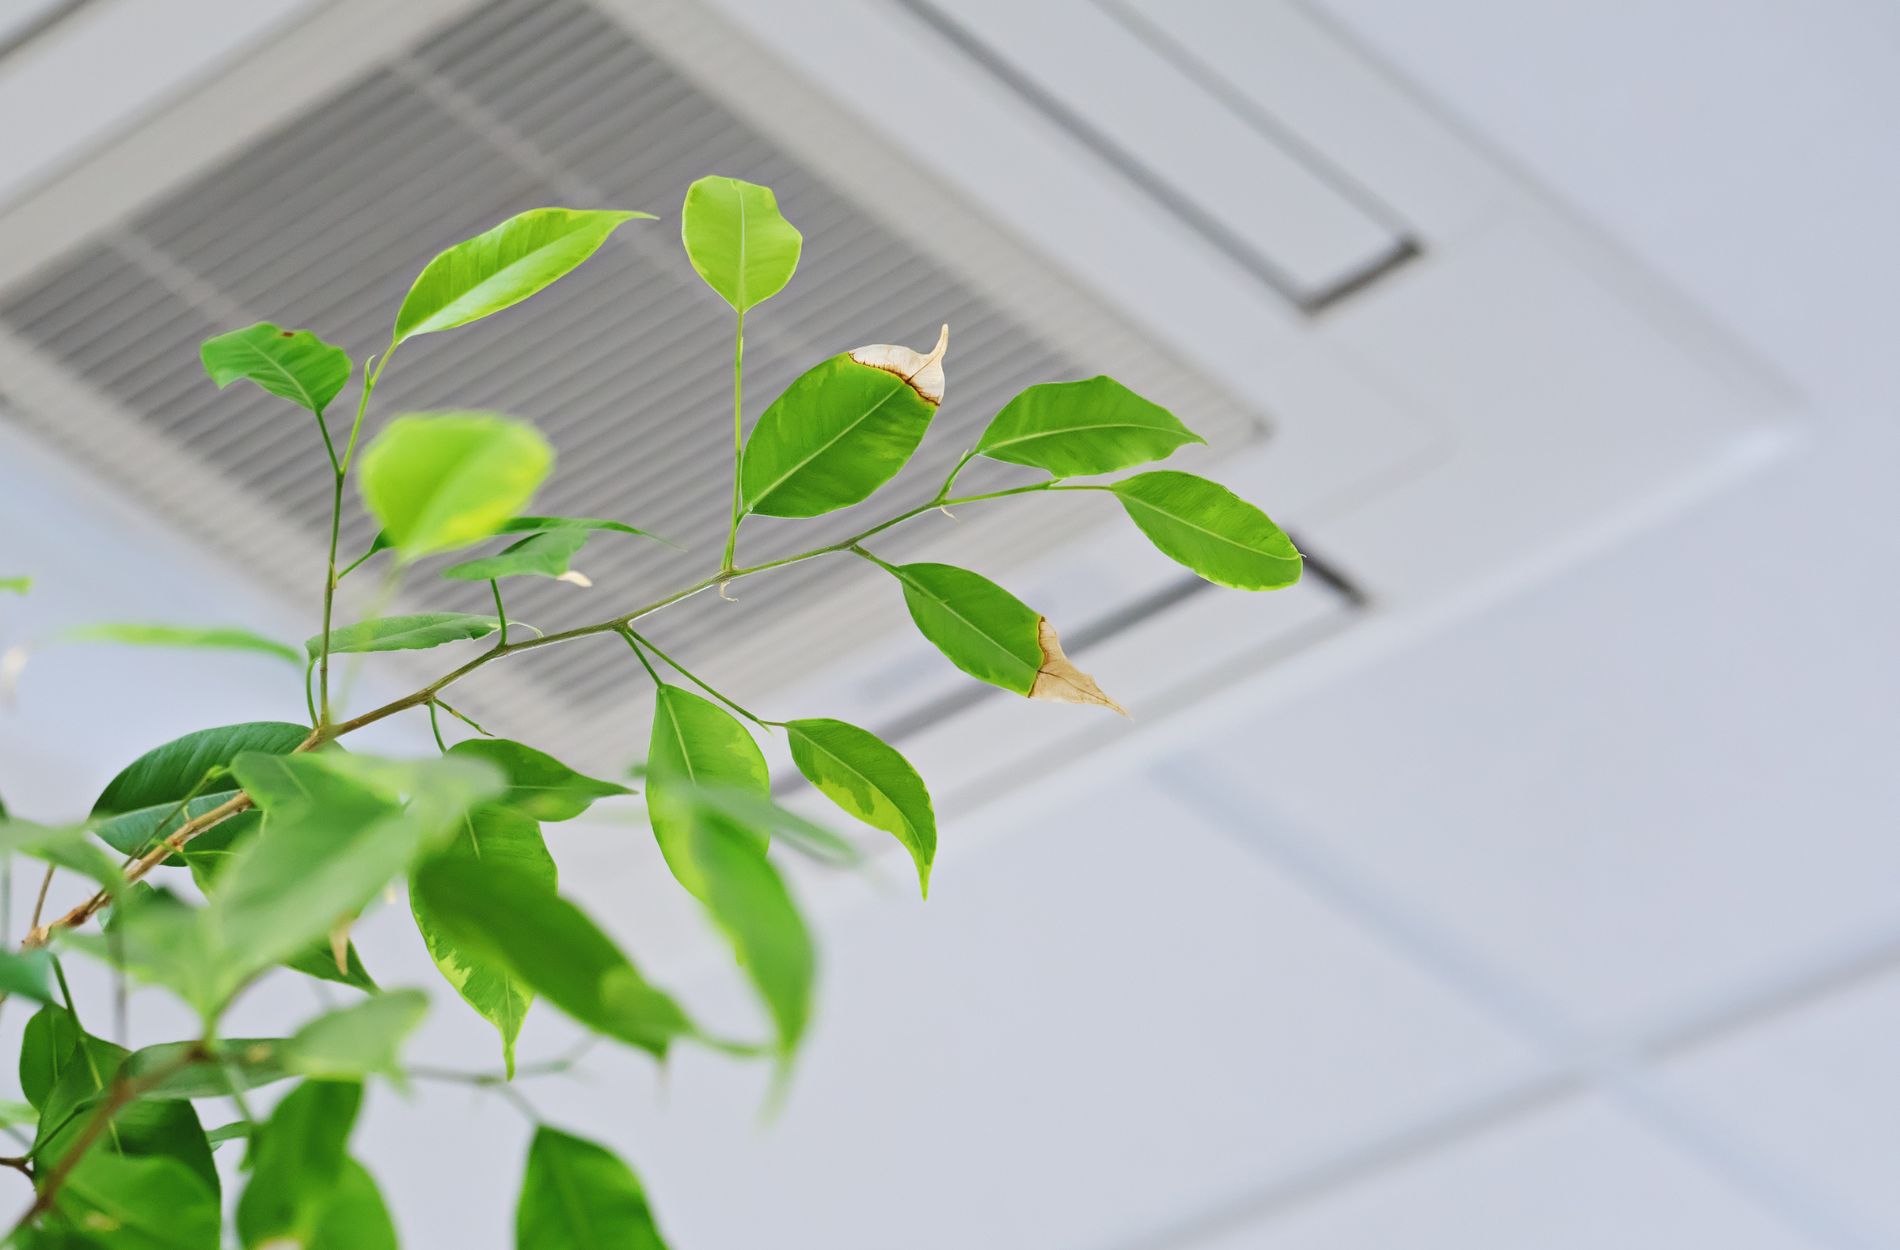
(1568, 924)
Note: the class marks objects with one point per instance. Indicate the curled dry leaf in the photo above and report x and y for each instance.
(924, 374)
(340, 944)
(1061, 681)
(574, 577)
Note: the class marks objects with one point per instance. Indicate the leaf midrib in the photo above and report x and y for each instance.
(978, 630)
(1216, 535)
(1081, 429)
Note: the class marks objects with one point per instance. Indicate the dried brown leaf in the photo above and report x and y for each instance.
(1061, 681)
(923, 373)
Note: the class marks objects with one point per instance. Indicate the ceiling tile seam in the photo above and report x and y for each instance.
(1613, 1070)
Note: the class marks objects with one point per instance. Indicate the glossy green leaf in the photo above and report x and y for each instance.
(866, 777)
(358, 1041)
(577, 1195)
(440, 480)
(514, 921)
(290, 364)
(503, 266)
(539, 786)
(841, 430)
(505, 839)
(538, 555)
(1074, 429)
(149, 1203)
(27, 974)
(416, 632)
(191, 637)
(1210, 529)
(980, 627)
(738, 240)
(141, 804)
(296, 1160)
(695, 744)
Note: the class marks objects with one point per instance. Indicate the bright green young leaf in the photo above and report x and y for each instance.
(140, 1203)
(504, 839)
(27, 974)
(841, 430)
(980, 627)
(1074, 429)
(577, 1195)
(290, 364)
(865, 776)
(695, 744)
(738, 241)
(358, 1041)
(538, 555)
(441, 480)
(514, 921)
(539, 786)
(296, 1160)
(16, 585)
(195, 637)
(140, 805)
(1210, 529)
(416, 632)
(503, 266)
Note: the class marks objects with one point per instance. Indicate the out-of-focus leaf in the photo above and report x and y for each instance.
(297, 1158)
(67, 846)
(868, 778)
(211, 637)
(503, 266)
(290, 364)
(1210, 529)
(358, 1041)
(515, 921)
(416, 632)
(538, 555)
(738, 240)
(539, 786)
(16, 585)
(27, 974)
(841, 430)
(577, 1195)
(355, 1216)
(441, 480)
(140, 1203)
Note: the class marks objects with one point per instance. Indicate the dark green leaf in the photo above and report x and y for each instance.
(1210, 529)
(1074, 429)
(538, 555)
(865, 776)
(842, 430)
(738, 241)
(695, 744)
(549, 524)
(358, 1041)
(291, 364)
(515, 921)
(577, 1195)
(503, 266)
(441, 480)
(140, 802)
(980, 627)
(505, 839)
(47, 1045)
(210, 637)
(539, 786)
(149, 1203)
(296, 1160)
(416, 632)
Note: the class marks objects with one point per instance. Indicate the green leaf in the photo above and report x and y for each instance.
(140, 1203)
(865, 776)
(354, 1217)
(440, 480)
(290, 364)
(738, 241)
(206, 637)
(16, 1114)
(1210, 529)
(319, 961)
(358, 1041)
(841, 430)
(67, 846)
(26, 974)
(695, 744)
(1075, 429)
(577, 1195)
(416, 632)
(550, 524)
(539, 786)
(296, 1160)
(515, 921)
(16, 584)
(505, 839)
(503, 266)
(47, 1045)
(538, 555)
(980, 627)
(236, 1131)
(771, 822)
(247, 1062)
(137, 806)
